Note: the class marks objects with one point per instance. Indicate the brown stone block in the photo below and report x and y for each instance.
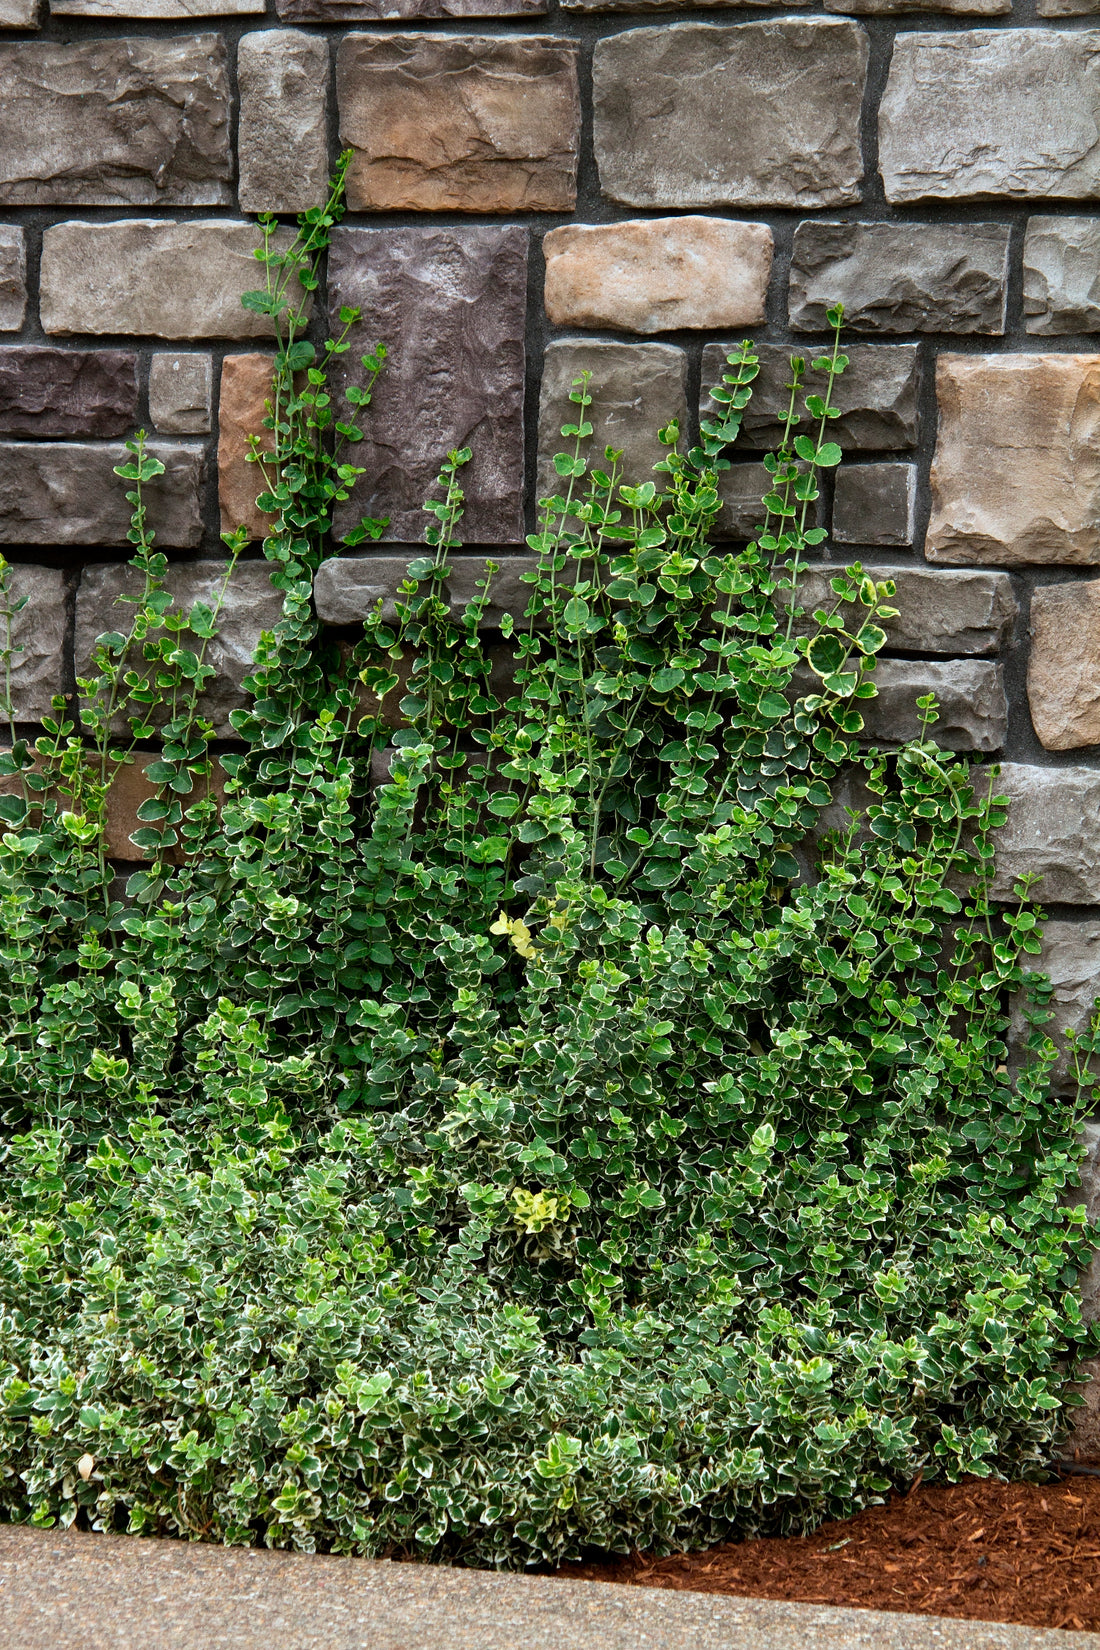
(459, 123)
(658, 274)
(245, 392)
(1063, 673)
(402, 11)
(67, 392)
(1016, 476)
(130, 787)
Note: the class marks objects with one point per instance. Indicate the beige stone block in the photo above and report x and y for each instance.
(245, 392)
(658, 274)
(1016, 476)
(282, 145)
(1063, 672)
(459, 123)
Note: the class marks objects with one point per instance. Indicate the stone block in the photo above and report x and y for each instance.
(1016, 475)
(953, 613)
(1062, 276)
(635, 389)
(970, 692)
(13, 277)
(130, 787)
(1053, 829)
(180, 393)
(66, 492)
(250, 606)
(67, 392)
(1071, 958)
(39, 631)
(282, 144)
(1063, 671)
(998, 112)
(451, 305)
(348, 588)
(242, 404)
(901, 8)
(134, 122)
(20, 14)
(695, 114)
(1066, 8)
(900, 277)
(658, 274)
(166, 10)
(399, 11)
(741, 489)
(875, 504)
(152, 277)
(459, 122)
(877, 395)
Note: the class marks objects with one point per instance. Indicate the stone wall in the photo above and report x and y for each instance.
(605, 184)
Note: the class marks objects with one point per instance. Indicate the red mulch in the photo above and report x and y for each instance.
(1025, 1553)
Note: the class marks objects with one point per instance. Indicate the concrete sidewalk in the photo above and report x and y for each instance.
(99, 1592)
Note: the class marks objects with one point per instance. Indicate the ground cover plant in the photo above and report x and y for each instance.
(518, 1125)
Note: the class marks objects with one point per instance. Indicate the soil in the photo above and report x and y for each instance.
(985, 1551)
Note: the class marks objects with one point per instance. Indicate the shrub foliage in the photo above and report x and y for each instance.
(529, 1113)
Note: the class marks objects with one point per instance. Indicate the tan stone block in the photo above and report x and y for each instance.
(459, 123)
(658, 274)
(1016, 476)
(1063, 672)
(245, 392)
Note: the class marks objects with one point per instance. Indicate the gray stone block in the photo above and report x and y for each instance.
(694, 114)
(1053, 829)
(459, 122)
(741, 489)
(13, 277)
(877, 394)
(348, 588)
(875, 504)
(136, 122)
(1071, 958)
(999, 112)
(1062, 276)
(890, 277)
(20, 14)
(397, 11)
(971, 695)
(282, 144)
(181, 393)
(590, 6)
(450, 304)
(1063, 667)
(152, 277)
(952, 613)
(165, 10)
(66, 492)
(901, 8)
(38, 638)
(67, 392)
(250, 606)
(635, 389)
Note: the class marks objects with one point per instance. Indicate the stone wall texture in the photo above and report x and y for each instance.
(538, 188)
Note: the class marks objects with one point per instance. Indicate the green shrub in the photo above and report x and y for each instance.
(559, 1139)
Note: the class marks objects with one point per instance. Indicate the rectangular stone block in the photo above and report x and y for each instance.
(67, 392)
(399, 11)
(1063, 668)
(242, 406)
(635, 389)
(250, 606)
(971, 695)
(136, 122)
(450, 304)
(282, 144)
(459, 122)
(877, 395)
(952, 613)
(20, 14)
(890, 277)
(166, 10)
(38, 638)
(66, 492)
(658, 274)
(1053, 829)
(1070, 956)
(1062, 276)
(741, 489)
(999, 112)
(1016, 474)
(180, 389)
(13, 277)
(347, 589)
(696, 114)
(901, 8)
(152, 277)
(875, 504)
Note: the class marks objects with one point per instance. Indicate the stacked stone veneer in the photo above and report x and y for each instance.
(537, 190)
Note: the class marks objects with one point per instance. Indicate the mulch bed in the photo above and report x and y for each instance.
(1025, 1553)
